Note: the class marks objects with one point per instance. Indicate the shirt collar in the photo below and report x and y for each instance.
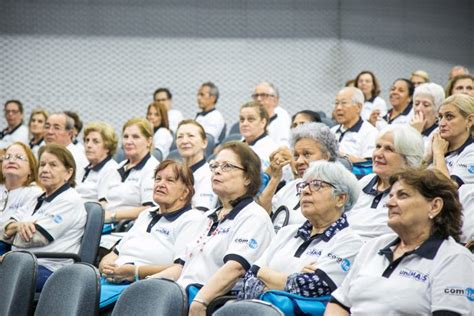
(355, 128)
(371, 189)
(274, 117)
(468, 142)
(371, 100)
(124, 174)
(172, 216)
(427, 131)
(100, 165)
(43, 197)
(6, 132)
(198, 165)
(427, 249)
(237, 204)
(33, 145)
(257, 139)
(204, 113)
(304, 232)
(404, 113)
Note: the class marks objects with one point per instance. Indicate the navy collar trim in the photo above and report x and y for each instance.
(198, 165)
(428, 249)
(204, 113)
(155, 129)
(5, 132)
(355, 128)
(34, 144)
(304, 232)
(405, 112)
(458, 151)
(371, 100)
(100, 165)
(124, 174)
(274, 117)
(66, 186)
(371, 188)
(427, 131)
(237, 204)
(257, 139)
(172, 216)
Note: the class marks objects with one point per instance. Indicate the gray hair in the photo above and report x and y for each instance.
(336, 174)
(432, 90)
(271, 86)
(69, 120)
(213, 90)
(407, 141)
(321, 134)
(357, 95)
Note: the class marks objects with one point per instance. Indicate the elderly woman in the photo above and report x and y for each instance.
(159, 233)
(20, 191)
(56, 223)
(423, 267)
(232, 236)
(452, 149)
(461, 84)
(157, 115)
(374, 106)
(396, 147)
(400, 95)
(419, 77)
(101, 174)
(310, 142)
(428, 97)
(134, 193)
(36, 126)
(311, 259)
(191, 141)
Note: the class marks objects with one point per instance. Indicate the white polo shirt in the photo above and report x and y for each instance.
(279, 127)
(163, 139)
(466, 196)
(427, 135)
(98, 180)
(136, 186)
(156, 238)
(204, 198)
(403, 118)
(18, 134)
(460, 163)
(61, 218)
(241, 236)
(174, 118)
(213, 122)
(376, 103)
(80, 159)
(437, 276)
(332, 251)
(19, 202)
(288, 196)
(359, 140)
(35, 148)
(369, 216)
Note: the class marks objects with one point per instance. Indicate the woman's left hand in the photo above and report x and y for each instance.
(117, 274)
(197, 309)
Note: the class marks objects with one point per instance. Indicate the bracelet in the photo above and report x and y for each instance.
(137, 276)
(200, 302)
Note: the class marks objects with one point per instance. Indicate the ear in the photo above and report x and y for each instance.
(69, 174)
(436, 206)
(470, 121)
(341, 200)
(205, 143)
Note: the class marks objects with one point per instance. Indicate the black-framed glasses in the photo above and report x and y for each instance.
(255, 96)
(10, 157)
(314, 185)
(225, 166)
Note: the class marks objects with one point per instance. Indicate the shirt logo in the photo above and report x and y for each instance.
(313, 252)
(345, 265)
(456, 291)
(57, 219)
(163, 231)
(418, 276)
(253, 244)
(470, 169)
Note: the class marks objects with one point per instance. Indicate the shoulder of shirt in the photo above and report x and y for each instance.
(450, 248)
(192, 215)
(347, 235)
(288, 230)
(369, 127)
(366, 179)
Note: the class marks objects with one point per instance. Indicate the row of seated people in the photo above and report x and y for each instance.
(223, 238)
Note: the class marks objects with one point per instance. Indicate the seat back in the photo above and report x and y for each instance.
(119, 154)
(232, 137)
(174, 155)
(248, 307)
(92, 232)
(152, 297)
(71, 290)
(223, 133)
(156, 152)
(17, 283)
(235, 128)
(211, 143)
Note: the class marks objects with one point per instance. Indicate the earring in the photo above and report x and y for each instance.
(430, 216)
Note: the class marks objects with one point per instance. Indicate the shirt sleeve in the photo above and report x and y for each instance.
(188, 230)
(369, 143)
(109, 179)
(463, 168)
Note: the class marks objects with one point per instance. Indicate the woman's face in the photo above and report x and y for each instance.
(306, 151)
(95, 148)
(399, 94)
(452, 125)
(232, 183)
(424, 104)
(153, 116)
(52, 173)
(251, 124)
(37, 124)
(417, 80)
(366, 84)
(169, 192)
(15, 164)
(465, 86)
(189, 141)
(386, 161)
(319, 201)
(300, 119)
(407, 208)
(135, 144)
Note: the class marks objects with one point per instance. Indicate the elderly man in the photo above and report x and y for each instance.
(279, 124)
(356, 136)
(210, 118)
(458, 70)
(15, 131)
(164, 96)
(59, 130)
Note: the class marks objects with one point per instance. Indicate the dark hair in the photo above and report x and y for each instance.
(213, 90)
(431, 184)
(165, 90)
(77, 121)
(182, 172)
(160, 108)
(18, 103)
(410, 85)
(452, 82)
(249, 159)
(63, 155)
(313, 116)
(376, 85)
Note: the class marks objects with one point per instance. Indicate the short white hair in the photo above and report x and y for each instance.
(432, 90)
(407, 141)
(357, 95)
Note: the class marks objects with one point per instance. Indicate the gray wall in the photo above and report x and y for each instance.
(104, 58)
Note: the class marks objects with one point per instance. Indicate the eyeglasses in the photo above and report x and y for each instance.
(255, 96)
(11, 111)
(314, 185)
(225, 166)
(9, 157)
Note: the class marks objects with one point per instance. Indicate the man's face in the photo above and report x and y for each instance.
(56, 130)
(13, 114)
(265, 95)
(346, 111)
(205, 100)
(162, 97)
